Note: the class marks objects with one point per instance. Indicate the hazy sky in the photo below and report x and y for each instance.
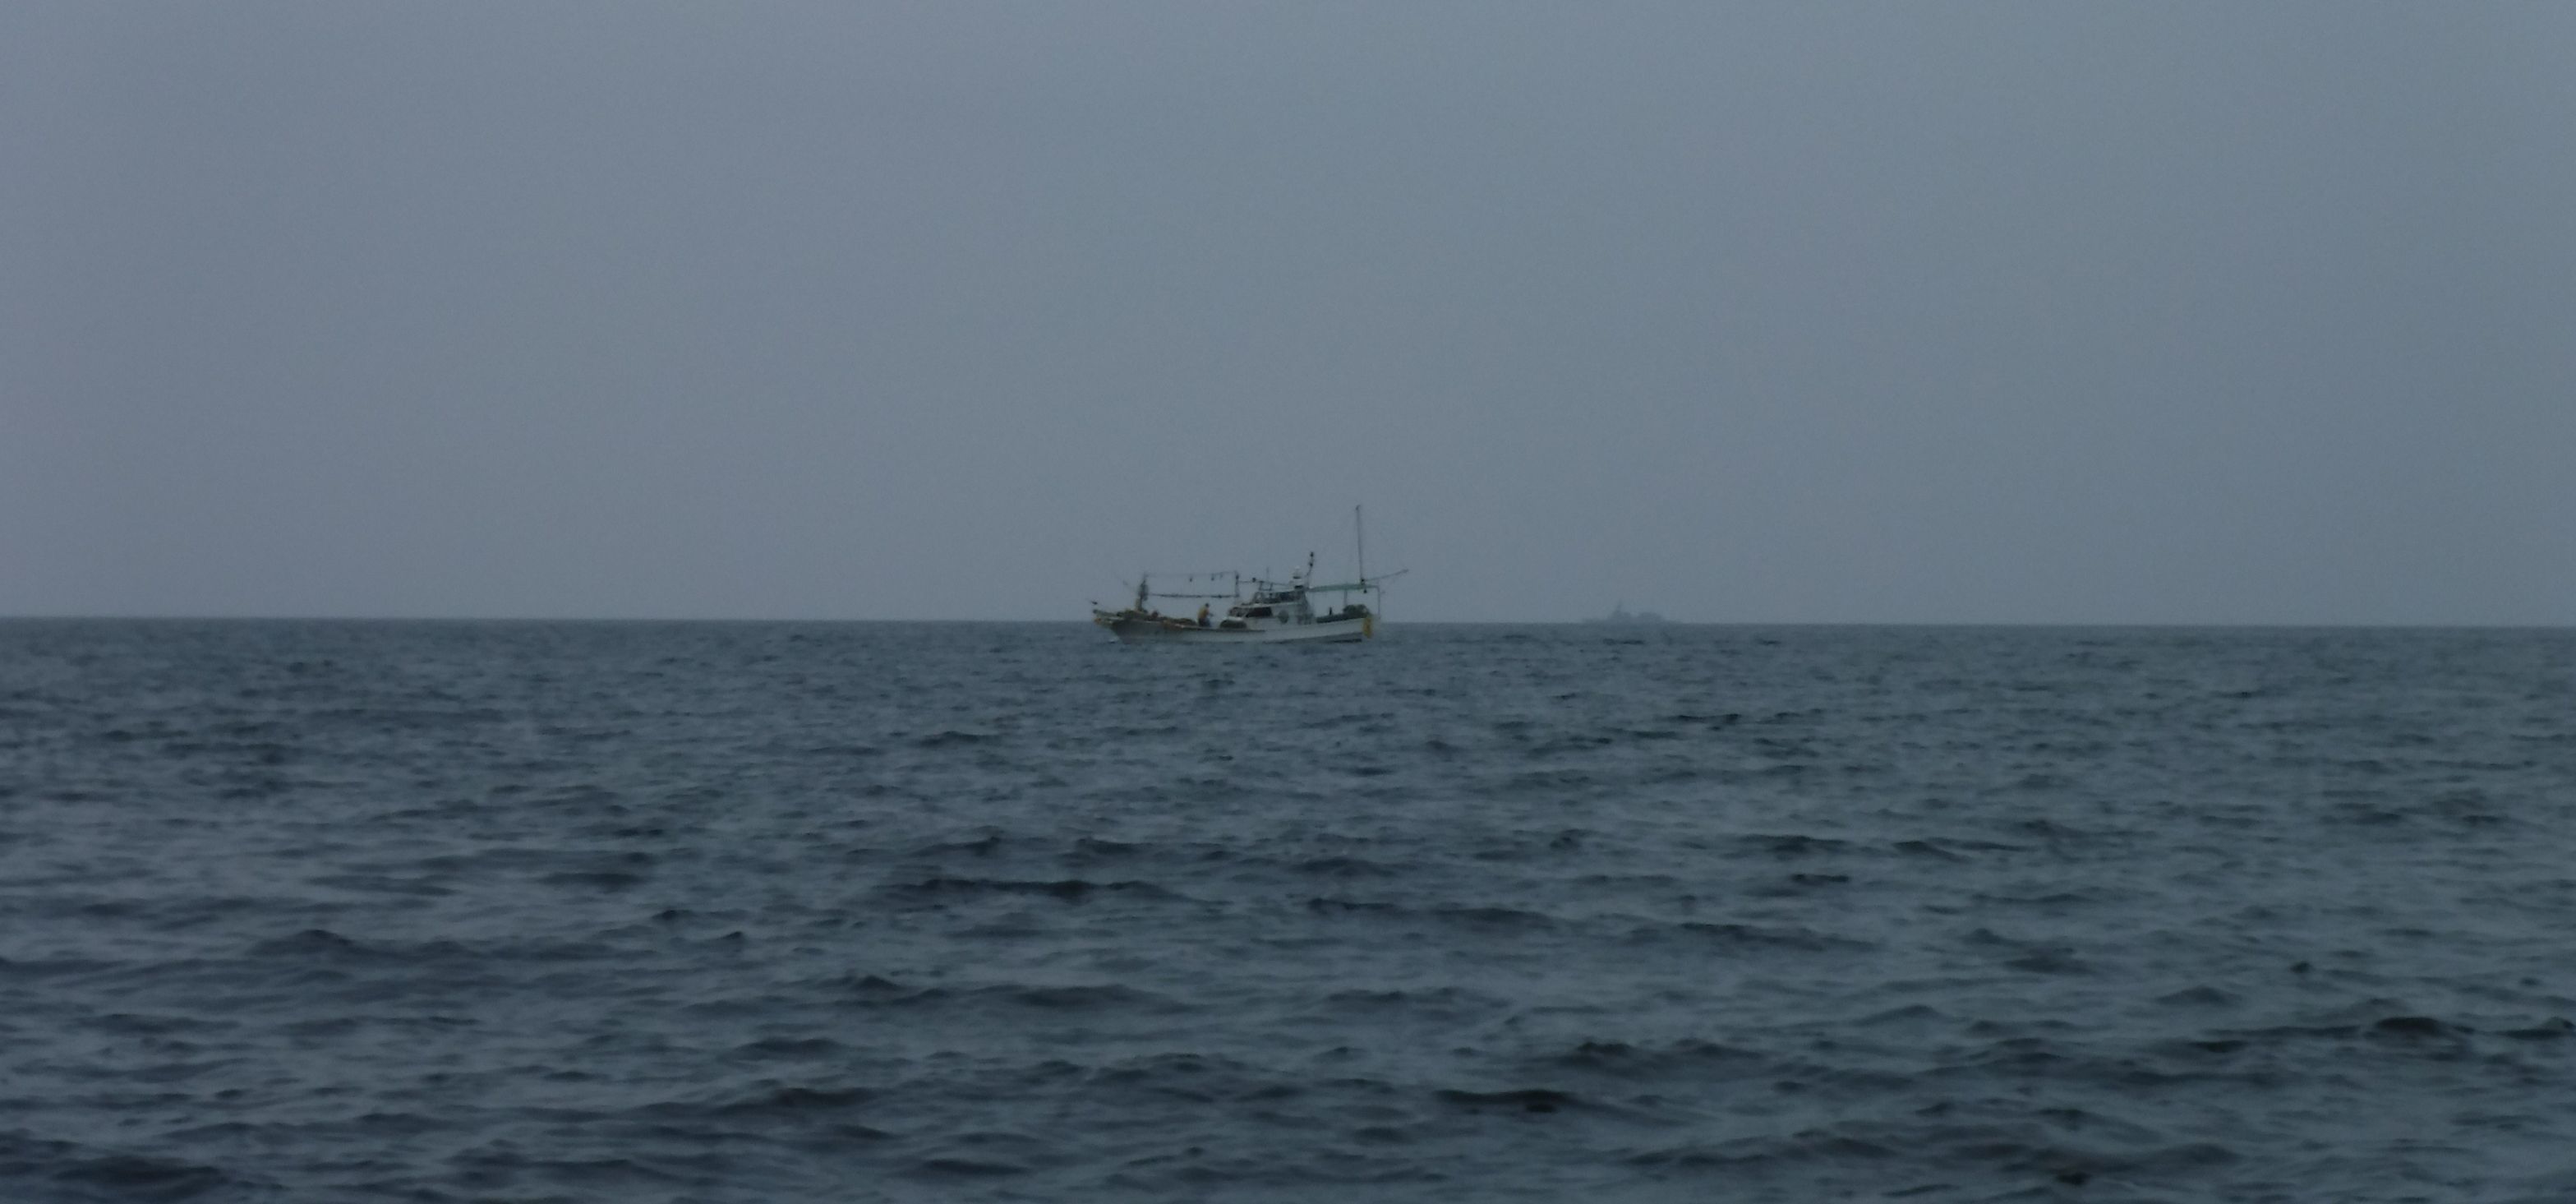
(2154, 312)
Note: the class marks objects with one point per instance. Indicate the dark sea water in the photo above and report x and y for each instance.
(749, 912)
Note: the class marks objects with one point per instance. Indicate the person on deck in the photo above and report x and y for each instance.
(1203, 614)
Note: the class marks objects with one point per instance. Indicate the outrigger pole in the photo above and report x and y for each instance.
(1143, 593)
(1359, 533)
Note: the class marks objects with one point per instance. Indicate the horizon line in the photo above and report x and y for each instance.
(2173, 624)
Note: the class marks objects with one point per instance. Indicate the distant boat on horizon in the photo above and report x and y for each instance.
(1278, 612)
(1621, 614)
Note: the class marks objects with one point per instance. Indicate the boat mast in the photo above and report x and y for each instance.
(1359, 533)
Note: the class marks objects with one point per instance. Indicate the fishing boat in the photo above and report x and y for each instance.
(1275, 612)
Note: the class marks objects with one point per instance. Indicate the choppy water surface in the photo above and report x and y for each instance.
(765, 911)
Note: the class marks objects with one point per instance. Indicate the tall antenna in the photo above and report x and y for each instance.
(1359, 533)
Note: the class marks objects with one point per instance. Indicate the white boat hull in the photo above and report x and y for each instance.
(1133, 630)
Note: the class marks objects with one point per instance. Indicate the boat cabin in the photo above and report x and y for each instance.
(1273, 604)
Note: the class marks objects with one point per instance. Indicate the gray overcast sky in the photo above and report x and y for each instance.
(2000, 312)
